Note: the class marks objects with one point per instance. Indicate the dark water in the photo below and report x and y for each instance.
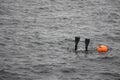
(37, 39)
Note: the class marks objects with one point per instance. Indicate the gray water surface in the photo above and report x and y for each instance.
(37, 39)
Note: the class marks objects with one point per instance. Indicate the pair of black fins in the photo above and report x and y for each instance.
(77, 39)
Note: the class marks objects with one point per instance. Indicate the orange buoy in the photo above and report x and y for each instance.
(102, 48)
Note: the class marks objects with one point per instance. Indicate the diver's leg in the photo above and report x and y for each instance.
(77, 39)
(87, 41)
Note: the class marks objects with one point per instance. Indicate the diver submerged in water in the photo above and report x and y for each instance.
(101, 49)
(77, 39)
(87, 41)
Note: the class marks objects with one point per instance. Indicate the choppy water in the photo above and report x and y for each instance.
(37, 39)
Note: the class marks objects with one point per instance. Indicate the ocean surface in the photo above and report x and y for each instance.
(37, 39)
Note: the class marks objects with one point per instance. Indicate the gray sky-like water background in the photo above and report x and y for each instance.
(37, 39)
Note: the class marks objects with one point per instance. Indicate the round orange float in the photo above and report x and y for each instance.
(102, 48)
